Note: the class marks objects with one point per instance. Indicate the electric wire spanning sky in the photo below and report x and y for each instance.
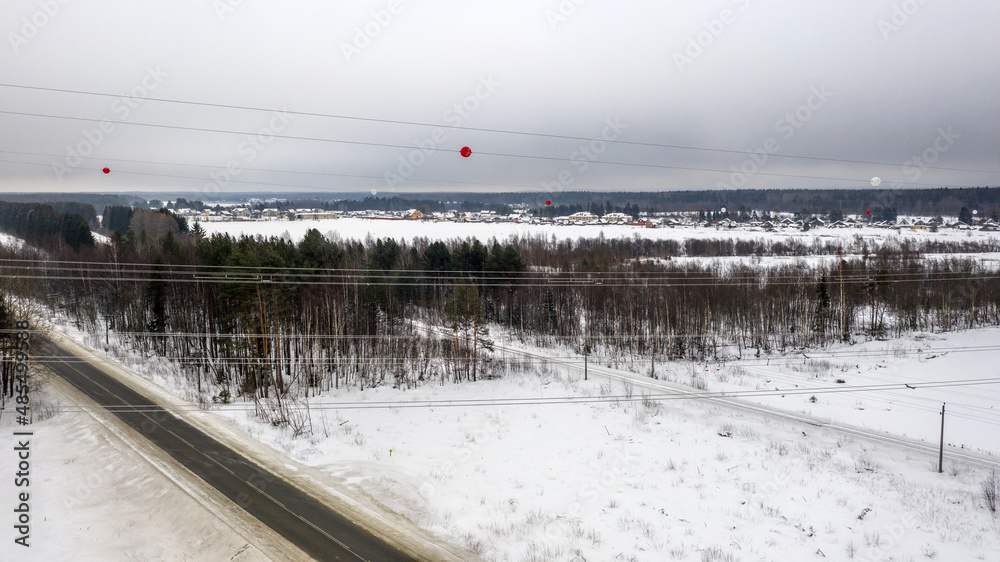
(393, 97)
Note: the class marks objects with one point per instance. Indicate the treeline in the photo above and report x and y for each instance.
(271, 320)
(42, 225)
(155, 223)
(96, 200)
(928, 202)
(598, 252)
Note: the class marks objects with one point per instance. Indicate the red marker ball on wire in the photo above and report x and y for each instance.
(466, 151)
(868, 212)
(548, 202)
(106, 170)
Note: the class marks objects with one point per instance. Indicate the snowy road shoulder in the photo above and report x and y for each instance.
(99, 494)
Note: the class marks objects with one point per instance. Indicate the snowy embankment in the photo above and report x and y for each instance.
(359, 229)
(640, 479)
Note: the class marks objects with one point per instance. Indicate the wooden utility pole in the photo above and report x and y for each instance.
(941, 450)
(586, 350)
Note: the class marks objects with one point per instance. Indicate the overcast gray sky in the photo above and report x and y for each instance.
(910, 85)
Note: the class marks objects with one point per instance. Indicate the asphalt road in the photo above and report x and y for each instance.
(304, 521)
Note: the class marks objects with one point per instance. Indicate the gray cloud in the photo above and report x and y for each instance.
(724, 74)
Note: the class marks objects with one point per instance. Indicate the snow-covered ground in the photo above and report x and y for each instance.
(359, 229)
(989, 261)
(92, 497)
(972, 412)
(670, 480)
(11, 241)
(637, 480)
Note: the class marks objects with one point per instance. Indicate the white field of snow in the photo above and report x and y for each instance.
(645, 480)
(637, 480)
(359, 229)
(972, 412)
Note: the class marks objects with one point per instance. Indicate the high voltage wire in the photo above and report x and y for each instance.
(435, 149)
(218, 271)
(481, 129)
(593, 338)
(250, 182)
(277, 275)
(166, 272)
(304, 271)
(481, 402)
(493, 284)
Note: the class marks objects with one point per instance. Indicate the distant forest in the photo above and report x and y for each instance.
(927, 202)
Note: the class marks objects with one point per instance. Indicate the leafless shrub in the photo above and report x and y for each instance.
(628, 388)
(777, 446)
(990, 485)
(865, 463)
(44, 409)
(699, 382)
(651, 406)
(716, 554)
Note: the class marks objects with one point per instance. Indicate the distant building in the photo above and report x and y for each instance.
(316, 215)
(583, 216)
(618, 218)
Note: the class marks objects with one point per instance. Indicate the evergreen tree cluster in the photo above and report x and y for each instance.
(44, 226)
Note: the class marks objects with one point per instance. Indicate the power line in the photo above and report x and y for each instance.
(435, 149)
(485, 130)
(455, 274)
(533, 401)
(234, 180)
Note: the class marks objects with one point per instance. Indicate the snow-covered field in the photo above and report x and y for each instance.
(359, 229)
(670, 480)
(972, 412)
